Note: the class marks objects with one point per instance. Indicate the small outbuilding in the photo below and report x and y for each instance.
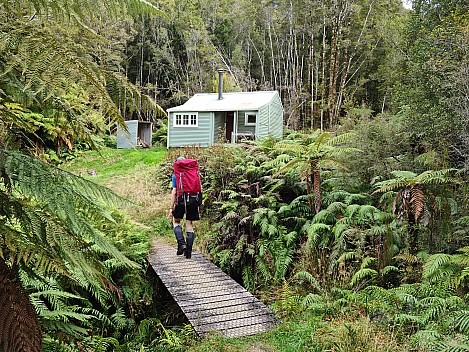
(209, 118)
(138, 135)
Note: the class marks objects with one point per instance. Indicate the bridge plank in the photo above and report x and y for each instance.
(211, 300)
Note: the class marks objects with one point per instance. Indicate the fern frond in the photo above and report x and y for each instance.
(312, 301)
(337, 207)
(283, 260)
(354, 198)
(249, 279)
(352, 210)
(407, 257)
(315, 232)
(306, 276)
(341, 138)
(61, 10)
(461, 321)
(224, 258)
(388, 269)
(362, 274)
(407, 175)
(434, 307)
(325, 217)
(120, 320)
(366, 262)
(437, 177)
(368, 212)
(263, 269)
(434, 263)
(347, 256)
(407, 319)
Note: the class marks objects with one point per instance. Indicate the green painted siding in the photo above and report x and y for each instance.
(191, 136)
(276, 117)
(263, 123)
(270, 119)
(242, 128)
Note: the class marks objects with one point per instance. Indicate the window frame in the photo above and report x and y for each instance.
(246, 118)
(180, 117)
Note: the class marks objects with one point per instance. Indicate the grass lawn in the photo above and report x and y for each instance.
(109, 162)
(131, 174)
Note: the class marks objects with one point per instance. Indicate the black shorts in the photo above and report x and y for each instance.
(188, 205)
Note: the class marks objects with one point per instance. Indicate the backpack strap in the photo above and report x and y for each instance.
(180, 188)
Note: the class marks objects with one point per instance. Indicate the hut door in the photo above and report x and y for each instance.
(229, 126)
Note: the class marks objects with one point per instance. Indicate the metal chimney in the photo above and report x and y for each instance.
(220, 84)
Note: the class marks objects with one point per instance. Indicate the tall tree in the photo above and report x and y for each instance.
(50, 219)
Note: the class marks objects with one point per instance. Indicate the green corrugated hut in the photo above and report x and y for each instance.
(211, 118)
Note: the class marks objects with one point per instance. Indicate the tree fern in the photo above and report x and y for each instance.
(415, 200)
(22, 334)
(307, 155)
(53, 224)
(78, 204)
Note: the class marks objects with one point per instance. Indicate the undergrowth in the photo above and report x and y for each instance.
(314, 314)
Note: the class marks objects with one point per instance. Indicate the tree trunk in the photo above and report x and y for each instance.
(19, 327)
(413, 236)
(316, 186)
(311, 60)
(323, 78)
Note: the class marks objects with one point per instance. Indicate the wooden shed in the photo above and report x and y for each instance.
(138, 135)
(209, 118)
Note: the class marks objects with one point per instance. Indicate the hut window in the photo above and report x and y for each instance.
(189, 119)
(250, 119)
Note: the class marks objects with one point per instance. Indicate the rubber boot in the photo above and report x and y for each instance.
(190, 241)
(179, 239)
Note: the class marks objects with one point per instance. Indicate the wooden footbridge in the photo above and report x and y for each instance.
(210, 299)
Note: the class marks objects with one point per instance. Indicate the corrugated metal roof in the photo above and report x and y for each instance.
(230, 102)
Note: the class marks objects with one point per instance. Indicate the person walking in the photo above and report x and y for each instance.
(186, 196)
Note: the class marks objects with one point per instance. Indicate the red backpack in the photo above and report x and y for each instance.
(187, 177)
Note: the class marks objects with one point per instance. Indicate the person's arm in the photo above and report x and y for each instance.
(172, 203)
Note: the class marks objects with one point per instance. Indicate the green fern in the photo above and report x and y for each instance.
(313, 302)
(461, 321)
(306, 276)
(362, 274)
(450, 268)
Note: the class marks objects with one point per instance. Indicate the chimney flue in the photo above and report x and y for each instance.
(220, 84)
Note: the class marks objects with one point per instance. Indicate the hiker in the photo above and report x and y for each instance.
(186, 197)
